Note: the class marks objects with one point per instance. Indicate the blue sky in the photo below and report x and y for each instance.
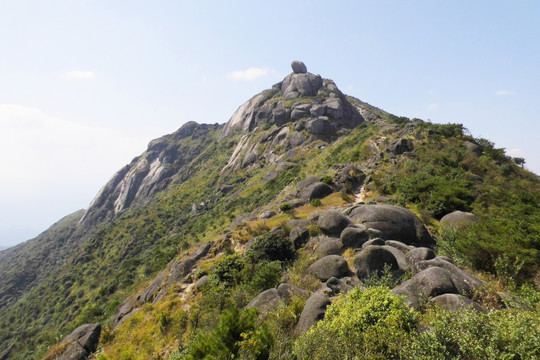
(85, 85)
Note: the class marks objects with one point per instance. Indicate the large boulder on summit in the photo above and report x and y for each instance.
(458, 220)
(313, 312)
(395, 222)
(298, 67)
(372, 261)
(82, 342)
(329, 266)
(333, 222)
(427, 283)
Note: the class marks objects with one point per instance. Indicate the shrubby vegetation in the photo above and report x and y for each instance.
(370, 324)
(374, 324)
(123, 255)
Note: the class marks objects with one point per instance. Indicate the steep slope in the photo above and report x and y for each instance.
(25, 265)
(283, 151)
(156, 204)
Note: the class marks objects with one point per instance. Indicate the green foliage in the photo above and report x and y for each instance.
(475, 335)
(285, 207)
(274, 245)
(236, 333)
(327, 179)
(370, 324)
(227, 271)
(316, 202)
(439, 188)
(384, 278)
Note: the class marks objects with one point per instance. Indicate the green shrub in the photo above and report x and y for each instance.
(236, 332)
(316, 202)
(272, 246)
(285, 206)
(227, 271)
(476, 336)
(369, 324)
(327, 179)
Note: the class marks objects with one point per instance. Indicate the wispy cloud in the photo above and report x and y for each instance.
(433, 106)
(516, 152)
(504, 92)
(78, 75)
(248, 74)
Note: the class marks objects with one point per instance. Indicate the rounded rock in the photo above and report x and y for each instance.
(298, 67)
(372, 260)
(328, 267)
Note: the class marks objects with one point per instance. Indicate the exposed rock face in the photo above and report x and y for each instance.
(329, 246)
(137, 183)
(395, 223)
(82, 342)
(301, 85)
(313, 104)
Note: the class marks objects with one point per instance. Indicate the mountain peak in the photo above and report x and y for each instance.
(302, 97)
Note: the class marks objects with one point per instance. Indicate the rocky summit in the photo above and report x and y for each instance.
(311, 225)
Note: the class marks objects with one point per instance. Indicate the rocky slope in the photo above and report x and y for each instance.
(289, 203)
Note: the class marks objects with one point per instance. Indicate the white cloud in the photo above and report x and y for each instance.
(248, 74)
(433, 106)
(79, 75)
(41, 152)
(51, 167)
(504, 92)
(516, 152)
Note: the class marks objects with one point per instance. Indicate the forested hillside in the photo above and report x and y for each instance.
(312, 225)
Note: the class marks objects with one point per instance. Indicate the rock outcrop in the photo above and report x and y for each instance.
(311, 103)
(163, 163)
(81, 343)
(395, 223)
